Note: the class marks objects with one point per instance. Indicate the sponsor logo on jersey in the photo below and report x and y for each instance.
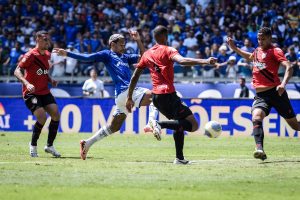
(259, 65)
(41, 72)
(122, 64)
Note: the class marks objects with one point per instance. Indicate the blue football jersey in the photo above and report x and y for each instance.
(117, 66)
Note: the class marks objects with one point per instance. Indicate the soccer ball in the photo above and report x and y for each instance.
(213, 129)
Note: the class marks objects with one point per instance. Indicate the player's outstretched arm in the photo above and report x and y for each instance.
(242, 53)
(134, 79)
(77, 56)
(18, 73)
(193, 61)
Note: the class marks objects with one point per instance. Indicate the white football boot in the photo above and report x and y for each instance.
(52, 151)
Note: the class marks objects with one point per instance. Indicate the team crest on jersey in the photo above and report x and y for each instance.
(263, 55)
(34, 100)
(24, 59)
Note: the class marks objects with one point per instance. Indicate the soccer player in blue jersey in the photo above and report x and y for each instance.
(117, 64)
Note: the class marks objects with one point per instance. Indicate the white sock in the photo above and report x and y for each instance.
(102, 133)
(153, 113)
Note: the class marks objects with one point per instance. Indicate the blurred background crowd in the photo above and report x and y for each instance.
(197, 28)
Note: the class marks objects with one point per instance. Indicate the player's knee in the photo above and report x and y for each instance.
(195, 125)
(41, 119)
(56, 117)
(258, 115)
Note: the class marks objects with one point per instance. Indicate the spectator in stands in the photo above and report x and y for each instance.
(232, 68)
(244, 89)
(208, 71)
(245, 67)
(93, 87)
(222, 61)
(296, 43)
(57, 63)
(247, 45)
(4, 60)
(292, 57)
(14, 56)
(71, 63)
(175, 43)
(293, 18)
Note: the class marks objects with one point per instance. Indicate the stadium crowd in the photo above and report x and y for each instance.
(197, 28)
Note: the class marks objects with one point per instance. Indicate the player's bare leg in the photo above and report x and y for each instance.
(294, 124)
(102, 133)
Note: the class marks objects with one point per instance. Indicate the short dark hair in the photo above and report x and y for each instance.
(40, 33)
(159, 31)
(266, 31)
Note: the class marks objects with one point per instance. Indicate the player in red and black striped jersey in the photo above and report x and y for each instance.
(36, 94)
(270, 92)
(160, 60)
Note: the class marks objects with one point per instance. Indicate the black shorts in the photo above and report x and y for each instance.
(171, 106)
(270, 98)
(34, 101)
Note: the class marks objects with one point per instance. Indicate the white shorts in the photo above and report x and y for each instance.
(121, 99)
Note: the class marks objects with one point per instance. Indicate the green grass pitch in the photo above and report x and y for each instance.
(139, 167)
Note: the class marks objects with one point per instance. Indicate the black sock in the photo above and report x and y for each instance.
(36, 133)
(183, 125)
(179, 143)
(258, 133)
(52, 132)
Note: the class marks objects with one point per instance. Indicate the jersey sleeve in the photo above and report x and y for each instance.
(279, 55)
(171, 52)
(143, 62)
(101, 56)
(26, 60)
(132, 58)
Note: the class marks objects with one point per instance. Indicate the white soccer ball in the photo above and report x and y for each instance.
(213, 129)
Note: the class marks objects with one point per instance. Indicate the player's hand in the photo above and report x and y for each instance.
(30, 87)
(129, 104)
(134, 35)
(54, 83)
(212, 60)
(60, 52)
(230, 43)
(280, 89)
